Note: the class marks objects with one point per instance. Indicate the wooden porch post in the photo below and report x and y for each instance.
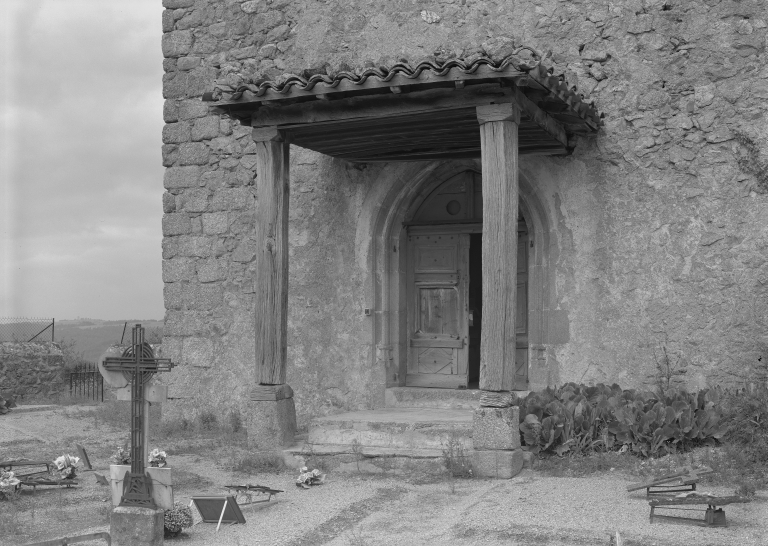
(499, 142)
(271, 260)
(495, 434)
(273, 419)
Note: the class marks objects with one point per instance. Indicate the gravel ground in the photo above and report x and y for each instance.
(353, 509)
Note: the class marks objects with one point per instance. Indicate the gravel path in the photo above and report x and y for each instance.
(365, 510)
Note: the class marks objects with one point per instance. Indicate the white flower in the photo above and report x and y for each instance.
(66, 461)
(157, 458)
(8, 479)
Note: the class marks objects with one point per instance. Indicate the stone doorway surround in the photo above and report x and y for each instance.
(491, 109)
(389, 268)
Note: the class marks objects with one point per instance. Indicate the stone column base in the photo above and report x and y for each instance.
(134, 526)
(496, 428)
(496, 439)
(271, 418)
(497, 463)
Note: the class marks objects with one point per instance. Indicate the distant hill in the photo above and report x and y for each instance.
(92, 336)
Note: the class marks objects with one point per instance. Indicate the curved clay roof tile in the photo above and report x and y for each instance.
(309, 78)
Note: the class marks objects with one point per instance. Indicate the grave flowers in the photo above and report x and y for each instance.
(176, 519)
(157, 458)
(9, 484)
(307, 478)
(66, 466)
(122, 456)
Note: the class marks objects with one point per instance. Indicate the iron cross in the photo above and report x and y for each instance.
(139, 364)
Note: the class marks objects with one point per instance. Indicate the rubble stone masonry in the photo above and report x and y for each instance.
(32, 371)
(660, 221)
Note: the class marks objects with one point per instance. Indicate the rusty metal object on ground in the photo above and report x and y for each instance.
(248, 491)
(713, 516)
(676, 482)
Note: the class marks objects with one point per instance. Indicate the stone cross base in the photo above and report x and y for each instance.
(134, 526)
(496, 442)
(271, 418)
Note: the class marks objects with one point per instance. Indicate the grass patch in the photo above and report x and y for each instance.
(259, 463)
(183, 479)
(10, 517)
(578, 466)
(115, 414)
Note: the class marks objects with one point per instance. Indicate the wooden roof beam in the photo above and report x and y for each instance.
(541, 118)
(379, 106)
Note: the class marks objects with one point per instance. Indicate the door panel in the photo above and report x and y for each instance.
(437, 310)
(521, 320)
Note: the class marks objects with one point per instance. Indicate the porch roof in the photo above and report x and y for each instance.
(412, 112)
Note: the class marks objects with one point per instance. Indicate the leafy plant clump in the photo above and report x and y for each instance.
(582, 419)
(6, 404)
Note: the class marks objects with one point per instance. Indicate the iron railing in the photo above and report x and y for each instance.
(26, 329)
(85, 381)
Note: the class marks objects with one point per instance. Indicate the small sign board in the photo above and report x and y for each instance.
(219, 509)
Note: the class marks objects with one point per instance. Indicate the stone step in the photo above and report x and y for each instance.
(410, 432)
(422, 397)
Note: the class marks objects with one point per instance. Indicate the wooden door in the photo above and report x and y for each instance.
(437, 310)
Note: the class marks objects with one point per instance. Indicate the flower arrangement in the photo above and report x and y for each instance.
(66, 466)
(9, 484)
(307, 478)
(157, 458)
(177, 518)
(121, 456)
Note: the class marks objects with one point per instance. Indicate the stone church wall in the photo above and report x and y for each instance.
(660, 220)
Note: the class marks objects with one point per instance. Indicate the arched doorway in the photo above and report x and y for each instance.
(443, 292)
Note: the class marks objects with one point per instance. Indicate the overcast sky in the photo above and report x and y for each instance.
(80, 164)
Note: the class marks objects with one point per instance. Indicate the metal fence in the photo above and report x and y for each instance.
(26, 329)
(85, 381)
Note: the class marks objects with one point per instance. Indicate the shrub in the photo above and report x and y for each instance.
(235, 420)
(177, 518)
(257, 463)
(581, 419)
(6, 403)
(455, 457)
(208, 420)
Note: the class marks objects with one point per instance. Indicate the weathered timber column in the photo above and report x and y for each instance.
(272, 419)
(495, 435)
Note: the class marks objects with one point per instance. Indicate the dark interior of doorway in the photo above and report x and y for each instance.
(475, 307)
(476, 302)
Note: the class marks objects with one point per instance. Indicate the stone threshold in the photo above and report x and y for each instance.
(424, 397)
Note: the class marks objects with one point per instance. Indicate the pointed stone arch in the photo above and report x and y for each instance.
(404, 189)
